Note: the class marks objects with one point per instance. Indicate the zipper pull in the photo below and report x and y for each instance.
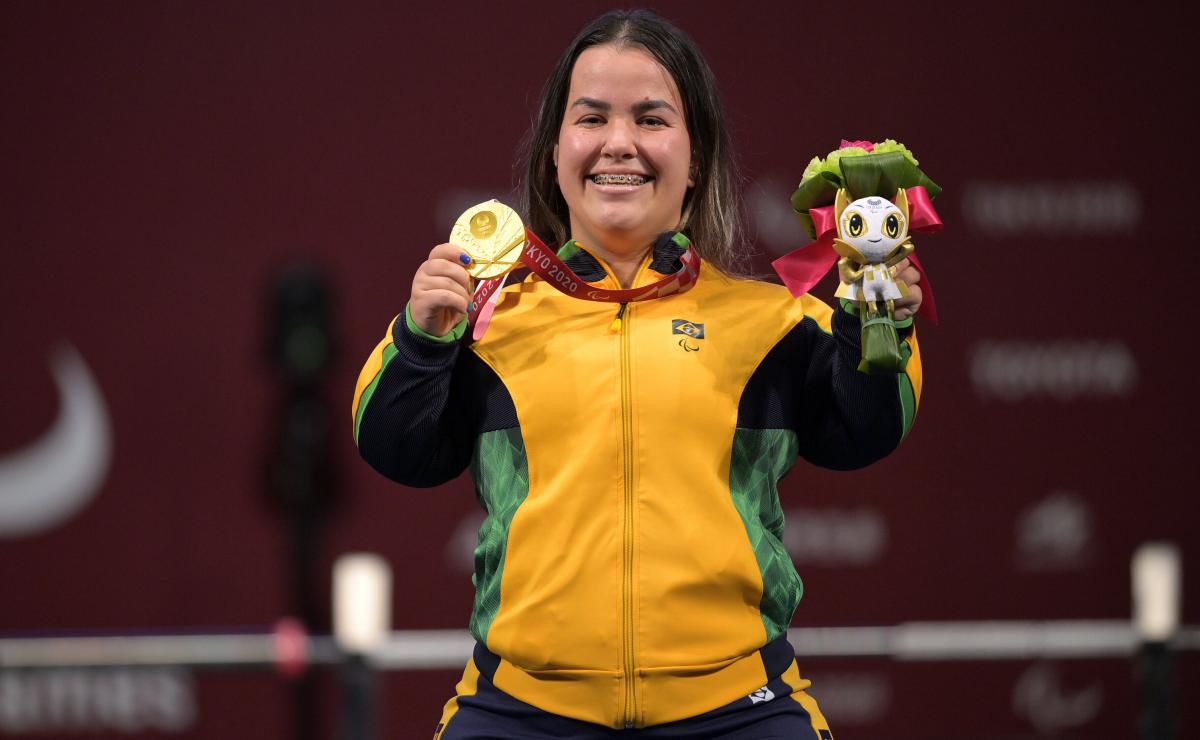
(615, 326)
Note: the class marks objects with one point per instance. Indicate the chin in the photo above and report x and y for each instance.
(626, 224)
(624, 234)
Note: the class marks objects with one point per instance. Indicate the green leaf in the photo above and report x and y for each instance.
(882, 175)
(814, 193)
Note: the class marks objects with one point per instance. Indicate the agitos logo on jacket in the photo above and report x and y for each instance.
(689, 331)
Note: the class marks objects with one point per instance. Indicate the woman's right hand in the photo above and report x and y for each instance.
(441, 290)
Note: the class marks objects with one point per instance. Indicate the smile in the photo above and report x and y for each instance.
(623, 179)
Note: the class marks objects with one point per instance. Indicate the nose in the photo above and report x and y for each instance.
(621, 142)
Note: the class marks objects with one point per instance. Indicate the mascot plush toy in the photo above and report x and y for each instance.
(872, 238)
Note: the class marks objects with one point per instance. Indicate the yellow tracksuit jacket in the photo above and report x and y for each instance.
(630, 569)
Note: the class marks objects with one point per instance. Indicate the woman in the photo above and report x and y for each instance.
(630, 576)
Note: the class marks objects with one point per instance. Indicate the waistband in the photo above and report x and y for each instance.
(664, 694)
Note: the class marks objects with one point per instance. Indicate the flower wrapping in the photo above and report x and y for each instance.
(880, 171)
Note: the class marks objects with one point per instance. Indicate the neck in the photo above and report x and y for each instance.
(622, 252)
(624, 266)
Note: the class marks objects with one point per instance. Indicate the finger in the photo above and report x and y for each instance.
(446, 268)
(431, 283)
(911, 276)
(451, 253)
(908, 305)
(913, 298)
(906, 271)
(443, 298)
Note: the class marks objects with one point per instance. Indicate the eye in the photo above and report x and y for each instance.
(855, 226)
(591, 119)
(891, 226)
(653, 122)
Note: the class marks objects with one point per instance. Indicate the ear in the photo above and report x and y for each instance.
(839, 204)
(902, 202)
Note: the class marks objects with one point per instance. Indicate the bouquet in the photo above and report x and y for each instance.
(861, 203)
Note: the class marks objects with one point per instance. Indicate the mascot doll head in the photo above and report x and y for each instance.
(873, 226)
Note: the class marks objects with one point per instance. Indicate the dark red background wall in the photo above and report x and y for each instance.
(161, 160)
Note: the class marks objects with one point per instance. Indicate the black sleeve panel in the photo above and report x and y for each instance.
(433, 399)
(809, 382)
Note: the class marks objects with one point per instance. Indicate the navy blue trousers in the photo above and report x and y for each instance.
(771, 713)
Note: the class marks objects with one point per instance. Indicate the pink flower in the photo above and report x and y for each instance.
(863, 144)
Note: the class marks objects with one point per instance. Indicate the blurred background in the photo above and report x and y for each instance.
(212, 211)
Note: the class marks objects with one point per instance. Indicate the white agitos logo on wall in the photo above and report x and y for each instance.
(1055, 533)
(48, 481)
(1040, 697)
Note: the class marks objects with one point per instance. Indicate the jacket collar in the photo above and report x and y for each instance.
(664, 257)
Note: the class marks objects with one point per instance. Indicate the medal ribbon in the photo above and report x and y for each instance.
(545, 263)
(802, 268)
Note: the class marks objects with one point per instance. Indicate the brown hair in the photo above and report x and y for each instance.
(711, 208)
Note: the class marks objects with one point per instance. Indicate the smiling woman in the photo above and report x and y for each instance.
(642, 61)
(630, 573)
(623, 155)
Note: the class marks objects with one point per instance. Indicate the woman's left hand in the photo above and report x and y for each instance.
(910, 304)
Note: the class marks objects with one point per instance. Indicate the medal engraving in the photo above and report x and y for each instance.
(492, 233)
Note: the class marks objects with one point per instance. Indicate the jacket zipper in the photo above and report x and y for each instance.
(627, 587)
(615, 326)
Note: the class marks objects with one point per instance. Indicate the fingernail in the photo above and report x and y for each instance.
(464, 258)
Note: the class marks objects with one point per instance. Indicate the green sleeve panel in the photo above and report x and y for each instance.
(908, 395)
(501, 474)
(760, 458)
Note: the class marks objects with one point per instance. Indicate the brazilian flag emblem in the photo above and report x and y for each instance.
(687, 328)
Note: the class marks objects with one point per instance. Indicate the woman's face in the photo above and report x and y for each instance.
(623, 154)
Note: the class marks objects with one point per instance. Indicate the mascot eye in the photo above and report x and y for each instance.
(855, 224)
(891, 226)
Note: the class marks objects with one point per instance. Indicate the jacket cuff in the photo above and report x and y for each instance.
(455, 334)
(416, 350)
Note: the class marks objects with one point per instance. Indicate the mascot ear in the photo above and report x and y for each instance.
(839, 204)
(902, 202)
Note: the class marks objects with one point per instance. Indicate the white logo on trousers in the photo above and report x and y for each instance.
(763, 694)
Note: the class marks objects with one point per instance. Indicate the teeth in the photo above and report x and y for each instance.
(619, 179)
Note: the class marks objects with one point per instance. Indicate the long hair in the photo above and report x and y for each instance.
(710, 214)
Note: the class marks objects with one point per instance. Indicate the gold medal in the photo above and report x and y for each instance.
(492, 233)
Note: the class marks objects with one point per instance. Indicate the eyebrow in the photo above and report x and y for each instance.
(639, 107)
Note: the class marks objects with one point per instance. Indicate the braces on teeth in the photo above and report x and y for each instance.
(618, 179)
